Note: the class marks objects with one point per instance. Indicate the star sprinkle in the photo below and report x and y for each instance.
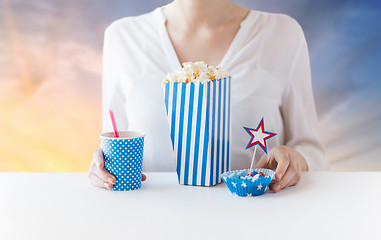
(243, 184)
(259, 136)
(259, 186)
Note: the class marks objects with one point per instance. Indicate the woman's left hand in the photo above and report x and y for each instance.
(288, 165)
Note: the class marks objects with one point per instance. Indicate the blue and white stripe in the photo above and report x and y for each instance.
(199, 119)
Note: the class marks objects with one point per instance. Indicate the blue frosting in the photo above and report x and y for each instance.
(242, 173)
(233, 175)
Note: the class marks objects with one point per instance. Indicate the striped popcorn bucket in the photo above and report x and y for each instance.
(199, 120)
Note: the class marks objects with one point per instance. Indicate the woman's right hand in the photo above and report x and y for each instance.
(98, 174)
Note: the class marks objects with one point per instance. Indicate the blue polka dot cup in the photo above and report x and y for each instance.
(124, 158)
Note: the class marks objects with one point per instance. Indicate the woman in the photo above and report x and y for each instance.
(266, 55)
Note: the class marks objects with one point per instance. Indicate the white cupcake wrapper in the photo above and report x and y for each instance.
(247, 187)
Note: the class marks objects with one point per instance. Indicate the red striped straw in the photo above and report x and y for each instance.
(116, 134)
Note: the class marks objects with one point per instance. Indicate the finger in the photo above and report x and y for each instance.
(104, 175)
(271, 186)
(266, 161)
(143, 177)
(291, 177)
(283, 160)
(98, 158)
(263, 162)
(99, 170)
(97, 182)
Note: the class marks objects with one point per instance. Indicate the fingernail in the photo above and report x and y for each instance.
(108, 186)
(277, 188)
(110, 180)
(279, 176)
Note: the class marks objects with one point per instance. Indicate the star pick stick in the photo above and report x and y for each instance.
(252, 160)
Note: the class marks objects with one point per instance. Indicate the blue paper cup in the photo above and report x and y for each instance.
(248, 187)
(124, 158)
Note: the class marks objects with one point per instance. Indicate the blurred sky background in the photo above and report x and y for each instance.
(50, 78)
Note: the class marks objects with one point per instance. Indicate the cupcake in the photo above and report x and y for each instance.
(243, 183)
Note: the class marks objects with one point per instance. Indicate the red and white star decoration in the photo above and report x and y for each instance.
(259, 136)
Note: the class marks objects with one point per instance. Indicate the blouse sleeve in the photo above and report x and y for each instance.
(112, 94)
(298, 109)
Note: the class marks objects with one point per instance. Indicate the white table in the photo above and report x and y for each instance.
(64, 206)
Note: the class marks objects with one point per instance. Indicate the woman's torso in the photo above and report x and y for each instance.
(256, 59)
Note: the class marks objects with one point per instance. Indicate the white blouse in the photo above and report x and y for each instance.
(269, 64)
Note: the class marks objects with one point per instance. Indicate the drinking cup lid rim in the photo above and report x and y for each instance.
(123, 135)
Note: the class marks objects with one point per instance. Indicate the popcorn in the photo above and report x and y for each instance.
(219, 73)
(209, 96)
(196, 72)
